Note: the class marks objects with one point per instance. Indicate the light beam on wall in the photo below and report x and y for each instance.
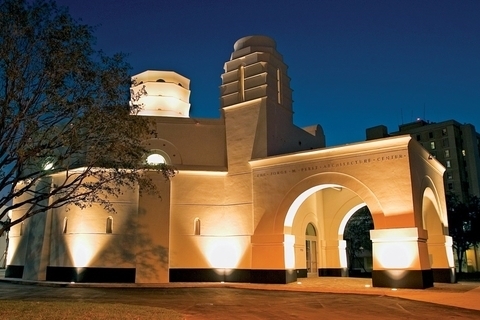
(224, 252)
(396, 255)
(84, 249)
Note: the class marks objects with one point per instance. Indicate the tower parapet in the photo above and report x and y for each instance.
(255, 70)
(161, 94)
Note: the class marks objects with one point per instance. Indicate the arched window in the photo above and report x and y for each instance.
(310, 231)
(196, 227)
(65, 225)
(109, 225)
(156, 157)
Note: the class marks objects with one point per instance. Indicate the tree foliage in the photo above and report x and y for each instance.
(66, 131)
(463, 224)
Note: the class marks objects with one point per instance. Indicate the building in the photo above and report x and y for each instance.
(457, 147)
(256, 198)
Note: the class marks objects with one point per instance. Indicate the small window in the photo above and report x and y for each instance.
(444, 132)
(449, 176)
(464, 153)
(65, 225)
(419, 137)
(447, 153)
(196, 227)
(448, 163)
(432, 145)
(450, 186)
(430, 135)
(109, 225)
(446, 143)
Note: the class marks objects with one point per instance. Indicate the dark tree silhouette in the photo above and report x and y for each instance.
(67, 134)
(463, 225)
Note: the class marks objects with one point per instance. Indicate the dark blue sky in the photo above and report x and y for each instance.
(353, 64)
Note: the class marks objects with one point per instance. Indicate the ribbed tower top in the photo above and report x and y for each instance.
(257, 43)
(254, 41)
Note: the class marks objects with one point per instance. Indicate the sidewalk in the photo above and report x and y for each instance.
(463, 294)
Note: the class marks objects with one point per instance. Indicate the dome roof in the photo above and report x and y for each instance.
(254, 41)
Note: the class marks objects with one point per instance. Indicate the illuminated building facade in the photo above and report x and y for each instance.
(256, 198)
(457, 147)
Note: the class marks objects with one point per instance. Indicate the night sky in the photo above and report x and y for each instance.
(353, 64)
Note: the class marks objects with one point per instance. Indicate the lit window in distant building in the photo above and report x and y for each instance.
(449, 165)
(464, 153)
(432, 145)
(447, 153)
(449, 176)
(444, 132)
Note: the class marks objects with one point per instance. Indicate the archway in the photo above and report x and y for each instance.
(439, 243)
(356, 233)
(327, 208)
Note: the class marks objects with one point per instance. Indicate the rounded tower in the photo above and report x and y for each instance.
(161, 94)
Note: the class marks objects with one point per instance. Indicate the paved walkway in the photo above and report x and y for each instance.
(463, 294)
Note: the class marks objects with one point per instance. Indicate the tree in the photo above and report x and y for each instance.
(357, 235)
(463, 224)
(67, 134)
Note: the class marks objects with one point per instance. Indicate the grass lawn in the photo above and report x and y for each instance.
(54, 310)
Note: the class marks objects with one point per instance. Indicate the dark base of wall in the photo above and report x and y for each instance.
(273, 276)
(232, 275)
(333, 272)
(96, 275)
(14, 272)
(446, 275)
(209, 275)
(413, 279)
(302, 273)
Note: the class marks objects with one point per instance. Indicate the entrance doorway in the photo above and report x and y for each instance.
(311, 250)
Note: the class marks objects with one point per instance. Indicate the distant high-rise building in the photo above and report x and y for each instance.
(455, 145)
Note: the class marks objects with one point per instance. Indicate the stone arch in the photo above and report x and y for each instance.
(433, 210)
(299, 192)
(350, 213)
(439, 243)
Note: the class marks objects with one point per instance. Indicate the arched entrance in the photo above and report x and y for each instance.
(359, 245)
(311, 250)
(324, 187)
(324, 210)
